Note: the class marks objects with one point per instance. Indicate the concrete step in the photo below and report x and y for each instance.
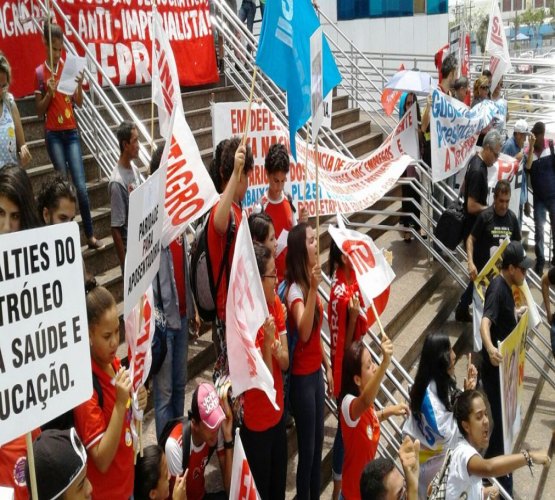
(344, 117)
(353, 131)
(361, 146)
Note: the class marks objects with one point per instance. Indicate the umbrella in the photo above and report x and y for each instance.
(520, 37)
(419, 82)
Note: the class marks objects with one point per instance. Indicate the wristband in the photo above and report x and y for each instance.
(528, 459)
(228, 445)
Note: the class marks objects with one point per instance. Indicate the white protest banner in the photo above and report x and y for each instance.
(139, 331)
(242, 482)
(144, 233)
(373, 272)
(73, 67)
(166, 93)
(508, 168)
(454, 131)
(316, 83)
(45, 362)
(190, 192)
(346, 185)
(511, 381)
(497, 46)
(246, 311)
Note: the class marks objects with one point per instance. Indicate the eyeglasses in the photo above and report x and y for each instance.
(484, 87)
(271, 276)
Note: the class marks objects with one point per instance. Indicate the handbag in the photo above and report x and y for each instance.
(438, 486)
(159, 347)
(450, 226)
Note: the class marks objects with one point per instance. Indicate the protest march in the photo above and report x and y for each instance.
(227, 271)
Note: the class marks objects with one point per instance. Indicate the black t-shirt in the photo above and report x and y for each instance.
(499, 308)
(490, 230)
(475, 186)
(551, 276)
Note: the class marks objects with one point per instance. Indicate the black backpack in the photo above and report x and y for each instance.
(202, 281)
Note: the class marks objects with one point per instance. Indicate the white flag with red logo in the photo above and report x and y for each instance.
(390, 97)
(497, 46)
(190, 192)
(242, 482)
(245, 312)
(166, 93)
(139, 331)
(373, 272)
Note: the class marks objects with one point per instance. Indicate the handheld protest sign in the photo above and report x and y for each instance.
(45, 363)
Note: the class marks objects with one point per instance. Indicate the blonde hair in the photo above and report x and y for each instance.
(480, 81)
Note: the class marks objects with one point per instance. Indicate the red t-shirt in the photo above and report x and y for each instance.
(283, 218)
(216, 248)
(59, 115)
(338, 318)
(91, 423)
(360, 439)
(307, 356)
(13, 456)
(259, 413)
(176, 248)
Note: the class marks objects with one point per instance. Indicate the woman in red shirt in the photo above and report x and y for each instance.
(263, 433)
(305, 312)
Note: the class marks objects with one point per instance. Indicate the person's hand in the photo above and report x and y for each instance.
(472, 271)
(179, 490)
(284, 307)
(269, 328)
(471, 378)
(25, 155)
(329, 377)
(495, 357)
(519, 156)
(227, 424)
(520, 311)
(399, 410)
(408, 454)
(429, 99)
(354, 307)
(142, 397)
(52, 85)
(303, 214)
(387, 350)
(123, 387)
(531, 142)
(276, 348)
(491, 492)
(540, 457)
(528, 209)
(79, 79)
(316, 277)
(239, 162)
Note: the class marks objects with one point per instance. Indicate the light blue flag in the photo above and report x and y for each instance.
(284, 55)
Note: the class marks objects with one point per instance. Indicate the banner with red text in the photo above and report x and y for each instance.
(118, 35)
(346, 185)
(245, 312)
(139, 331)
(190, 192)
(497, 46)
(454, 131)
(242, 481)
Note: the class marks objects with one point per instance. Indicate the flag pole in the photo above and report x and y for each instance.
(378, 320)
(247, 126)
(317, 199)
(31, 461)
(306, 161)
(151, 87)
(50, 55)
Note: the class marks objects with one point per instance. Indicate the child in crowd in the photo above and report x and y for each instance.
(360, 424)
(60, 466)
(152, 478)
(305, 312)
(276, 203)
(61, 133)
(263, 432)
(106, 430)
(57, 201)
(467, 467)
(432, 397)
(225, 216)
(262, 231)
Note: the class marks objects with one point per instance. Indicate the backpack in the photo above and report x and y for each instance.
(438, 485)
(185, 439)
(66, 420)
(202, 281)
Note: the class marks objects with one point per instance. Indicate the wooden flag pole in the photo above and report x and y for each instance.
(306, 161)
(247, 126)
(31, 462)
(50, 55)
(378, 320)
(317, 199)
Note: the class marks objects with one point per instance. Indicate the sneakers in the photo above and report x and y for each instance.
(463, 315)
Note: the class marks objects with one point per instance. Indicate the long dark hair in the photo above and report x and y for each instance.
(352, 366)
(335, 261)
(16, 186)
(259, 226)
(463, 407)
(435, 360)
(147, 472)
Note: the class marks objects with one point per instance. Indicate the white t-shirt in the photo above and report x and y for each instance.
(461, 485)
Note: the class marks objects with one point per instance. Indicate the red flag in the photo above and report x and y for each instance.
(441, 54)
(465, 64)
(391, 97)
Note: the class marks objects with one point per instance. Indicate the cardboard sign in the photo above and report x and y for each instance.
(45, 362)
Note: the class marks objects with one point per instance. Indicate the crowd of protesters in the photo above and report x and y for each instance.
(93, 454)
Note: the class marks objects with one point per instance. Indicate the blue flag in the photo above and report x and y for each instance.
(284, 55)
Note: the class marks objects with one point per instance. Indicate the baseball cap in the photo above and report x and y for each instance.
(521, 127)
(59, 459)
(514, 254)
(206, 404)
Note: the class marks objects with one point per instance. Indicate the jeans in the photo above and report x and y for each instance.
(266, 452)
(338, 453)
(307, 401)
(247, 12)
(169, 382)
(64, 149)
(541, 208)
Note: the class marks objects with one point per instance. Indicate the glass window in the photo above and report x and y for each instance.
(352, 9)
(437, 7)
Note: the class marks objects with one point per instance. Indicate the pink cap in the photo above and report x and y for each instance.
(211, 413)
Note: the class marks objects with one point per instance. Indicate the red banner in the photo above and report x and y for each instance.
(118, 36)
